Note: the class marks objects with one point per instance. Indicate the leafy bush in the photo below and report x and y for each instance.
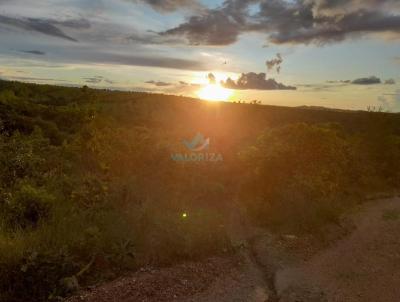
(26, 206)
(296, 174)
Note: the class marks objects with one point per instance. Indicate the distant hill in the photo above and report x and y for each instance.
(171, 112)
(321, 108)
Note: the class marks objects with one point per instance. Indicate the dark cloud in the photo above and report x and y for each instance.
(30, 79)
(336, 7)
(275, 63)
(146, 61)
(390, 82)
(72, 23)
(159, 83)
(173, 86)
(169, 5)
(45, 26)
(211, 78)
(362, 81)
(98, 80)
(255, 81)
(294, 22)
(183, 83)
(220, 26)
(338, 28)
(176, 88)
(61, 56)
(367, 81)
(319, 87)
(93, 80)
(34, 52)
(151, 37)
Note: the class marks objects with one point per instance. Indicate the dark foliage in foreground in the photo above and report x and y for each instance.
(88, 188)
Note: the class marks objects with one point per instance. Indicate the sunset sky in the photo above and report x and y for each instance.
(332, 53)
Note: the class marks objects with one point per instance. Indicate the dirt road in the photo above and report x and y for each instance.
(362, 266)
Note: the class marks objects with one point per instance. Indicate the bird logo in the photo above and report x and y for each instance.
(198, 143)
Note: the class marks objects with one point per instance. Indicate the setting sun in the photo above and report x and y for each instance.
(214, 92)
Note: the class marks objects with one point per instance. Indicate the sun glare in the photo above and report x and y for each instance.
(214, 92)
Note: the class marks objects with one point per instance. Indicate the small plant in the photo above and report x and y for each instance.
(391, 215)
(123, 254)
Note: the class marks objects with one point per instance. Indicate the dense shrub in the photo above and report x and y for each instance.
(297, 176)
(26, 206)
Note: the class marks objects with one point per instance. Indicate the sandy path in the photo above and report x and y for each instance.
(365, 266)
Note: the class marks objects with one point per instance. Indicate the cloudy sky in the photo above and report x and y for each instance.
(333, 53)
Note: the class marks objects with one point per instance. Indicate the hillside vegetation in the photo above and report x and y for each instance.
(89, 190)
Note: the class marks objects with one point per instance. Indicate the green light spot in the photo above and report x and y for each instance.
(184, 215)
